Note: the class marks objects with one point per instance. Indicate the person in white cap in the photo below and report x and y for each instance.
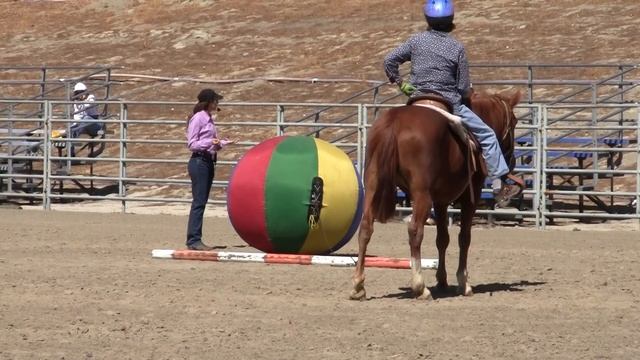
(84, 109)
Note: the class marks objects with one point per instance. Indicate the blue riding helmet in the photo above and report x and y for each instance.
(438, 9)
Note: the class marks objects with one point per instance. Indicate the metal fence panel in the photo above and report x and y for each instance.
(145, 152)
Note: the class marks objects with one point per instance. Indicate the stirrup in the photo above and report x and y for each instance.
(517, 180)
(506, 193)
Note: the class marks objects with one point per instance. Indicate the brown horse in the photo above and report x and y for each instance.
(414, 148)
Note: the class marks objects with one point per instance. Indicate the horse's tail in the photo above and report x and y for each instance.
(385, 155)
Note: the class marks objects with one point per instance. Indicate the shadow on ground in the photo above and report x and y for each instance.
(451, 291)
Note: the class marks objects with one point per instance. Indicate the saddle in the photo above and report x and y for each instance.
(432, 99)
(439, 104)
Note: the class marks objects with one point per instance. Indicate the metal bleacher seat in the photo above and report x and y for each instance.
(402, 198)
(613, 158)
(90, 149)
(610, 141)
(567, 181)
(26, 149)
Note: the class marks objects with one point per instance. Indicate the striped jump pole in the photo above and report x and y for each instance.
(340, 261)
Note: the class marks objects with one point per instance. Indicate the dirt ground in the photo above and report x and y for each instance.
(83, 285)
(77, 285)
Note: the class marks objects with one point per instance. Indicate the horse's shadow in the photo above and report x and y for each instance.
(451, 291)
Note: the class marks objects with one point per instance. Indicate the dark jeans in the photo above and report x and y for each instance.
(201, 170)
(80, 128)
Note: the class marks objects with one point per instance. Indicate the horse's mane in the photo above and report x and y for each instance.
(496, 109)
(486, 100)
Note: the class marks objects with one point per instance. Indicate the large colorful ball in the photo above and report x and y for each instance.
(274, 196)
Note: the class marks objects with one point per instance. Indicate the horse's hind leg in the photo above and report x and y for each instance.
(421, 207)
(364, 235)
(464, 241)
(442, 242)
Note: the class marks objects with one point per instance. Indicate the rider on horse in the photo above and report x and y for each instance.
(439, 65)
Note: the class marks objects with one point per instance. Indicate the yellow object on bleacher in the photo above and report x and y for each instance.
(57, 133)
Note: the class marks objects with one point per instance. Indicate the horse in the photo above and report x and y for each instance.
(414, 148)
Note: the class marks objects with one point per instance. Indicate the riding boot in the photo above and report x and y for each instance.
(508, 191)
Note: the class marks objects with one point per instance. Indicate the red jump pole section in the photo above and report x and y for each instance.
(340, 261)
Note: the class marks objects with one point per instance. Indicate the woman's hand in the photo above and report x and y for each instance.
(222, 142)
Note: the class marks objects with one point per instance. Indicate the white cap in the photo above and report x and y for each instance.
(80, 87)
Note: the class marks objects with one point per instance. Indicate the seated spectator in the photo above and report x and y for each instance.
(84, 109)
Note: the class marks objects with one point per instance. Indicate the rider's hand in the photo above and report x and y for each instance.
(407, 88)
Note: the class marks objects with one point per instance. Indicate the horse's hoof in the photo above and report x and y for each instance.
(426, 295)
(420, 291)
(358, 294)
(466, 291)
(442, 286)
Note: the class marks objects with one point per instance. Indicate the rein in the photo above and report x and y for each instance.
(507, 131)
(509, 135)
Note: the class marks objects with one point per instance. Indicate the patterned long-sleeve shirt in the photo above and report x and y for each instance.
(438, 64)
(201, 132)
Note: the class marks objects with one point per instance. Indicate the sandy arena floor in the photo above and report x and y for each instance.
(80, 285)
(83, 285)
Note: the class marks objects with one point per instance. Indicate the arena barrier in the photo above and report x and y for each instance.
(578, 161)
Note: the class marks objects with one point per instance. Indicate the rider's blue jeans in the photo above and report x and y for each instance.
(79, 128)
(496, 165)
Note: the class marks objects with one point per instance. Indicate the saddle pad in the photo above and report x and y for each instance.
(455, 118)
(455, 122)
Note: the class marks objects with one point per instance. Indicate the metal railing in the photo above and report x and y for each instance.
(53, 83)
(541, 87)
(146, 156)
(593, 151)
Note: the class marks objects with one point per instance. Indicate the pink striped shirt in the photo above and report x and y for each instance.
(201, 132)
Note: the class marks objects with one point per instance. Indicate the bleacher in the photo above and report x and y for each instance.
(22, 117)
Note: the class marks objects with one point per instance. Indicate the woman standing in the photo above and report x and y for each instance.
(203, 141)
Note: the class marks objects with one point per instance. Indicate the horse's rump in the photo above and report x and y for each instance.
(404, 142)
(381, 166)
